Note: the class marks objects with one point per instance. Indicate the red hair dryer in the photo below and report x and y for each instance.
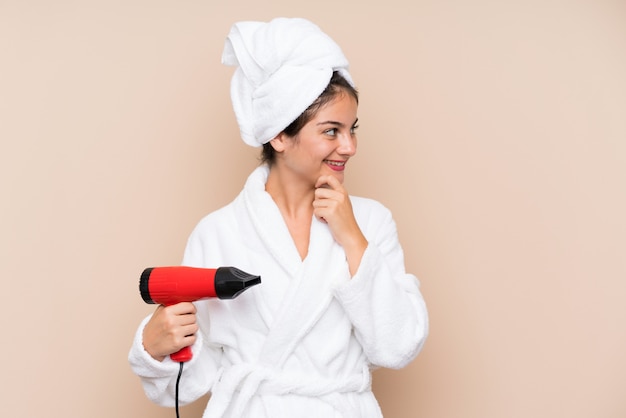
(171, 285)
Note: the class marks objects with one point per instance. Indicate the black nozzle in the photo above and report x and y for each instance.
(230, 282)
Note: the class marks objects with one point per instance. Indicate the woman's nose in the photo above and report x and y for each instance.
(347, 145)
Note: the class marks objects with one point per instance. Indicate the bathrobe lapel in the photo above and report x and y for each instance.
(307, 298)
(309, 292)
(268, 222)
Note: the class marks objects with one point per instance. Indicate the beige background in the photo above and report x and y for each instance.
(495, 131)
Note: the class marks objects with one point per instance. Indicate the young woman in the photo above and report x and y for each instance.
(335, 300)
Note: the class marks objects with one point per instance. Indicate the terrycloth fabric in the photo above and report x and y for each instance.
(282, 67)
(302, 343)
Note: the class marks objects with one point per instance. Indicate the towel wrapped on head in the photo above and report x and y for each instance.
(282, 67)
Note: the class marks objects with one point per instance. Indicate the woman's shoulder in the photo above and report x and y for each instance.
(367, 208)
(375, 219)
(367, 203)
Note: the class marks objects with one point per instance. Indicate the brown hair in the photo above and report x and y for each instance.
(336, 86)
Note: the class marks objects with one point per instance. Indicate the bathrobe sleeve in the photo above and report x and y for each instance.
(383, 302)
(159, 378)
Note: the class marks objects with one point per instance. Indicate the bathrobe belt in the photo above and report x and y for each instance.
(236, 385)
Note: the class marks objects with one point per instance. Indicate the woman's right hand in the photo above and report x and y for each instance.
(169, 329)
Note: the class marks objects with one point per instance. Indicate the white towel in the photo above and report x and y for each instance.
(282, 67)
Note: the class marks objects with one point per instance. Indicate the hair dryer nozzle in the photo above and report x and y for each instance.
(230, 282)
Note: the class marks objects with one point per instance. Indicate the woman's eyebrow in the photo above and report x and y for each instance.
(336, 123)
(331, 122)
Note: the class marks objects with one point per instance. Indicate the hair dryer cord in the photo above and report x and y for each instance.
(180, 373)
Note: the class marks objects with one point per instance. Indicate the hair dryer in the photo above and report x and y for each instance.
(171, 285)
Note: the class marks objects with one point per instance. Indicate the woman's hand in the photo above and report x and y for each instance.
(332, 205)
(169, 329)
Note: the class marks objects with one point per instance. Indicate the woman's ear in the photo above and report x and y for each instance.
(279, 142)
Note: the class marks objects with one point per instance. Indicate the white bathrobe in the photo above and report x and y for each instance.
(303, 342)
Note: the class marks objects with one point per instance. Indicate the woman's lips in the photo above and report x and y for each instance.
(336, 165)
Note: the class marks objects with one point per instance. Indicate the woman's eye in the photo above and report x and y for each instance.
(354, 128)
(331, 132)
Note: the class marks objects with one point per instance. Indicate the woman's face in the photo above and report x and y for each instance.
(325, 144)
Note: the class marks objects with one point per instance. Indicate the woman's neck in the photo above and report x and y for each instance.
(294, 197)
(295, 202)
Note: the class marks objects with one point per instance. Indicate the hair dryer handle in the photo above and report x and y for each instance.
(183, 355)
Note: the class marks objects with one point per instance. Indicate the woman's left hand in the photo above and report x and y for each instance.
(332, 205)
